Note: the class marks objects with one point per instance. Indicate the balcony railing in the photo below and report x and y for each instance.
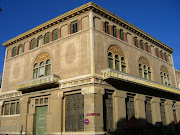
(39, 83)
(111, 73)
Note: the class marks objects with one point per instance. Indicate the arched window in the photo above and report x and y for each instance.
(110, 59)
(55, 34)
(140, 70)
(14, 51)
(39, 43)
(42, 66)
(47, 38)
(164, 76)
(32, 45)
(116, 58)
(19, 49)
(144, 68)
(123, 64)
(48, 67)
(117, 62)
(35, 71)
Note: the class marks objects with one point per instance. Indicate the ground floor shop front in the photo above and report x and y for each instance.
(89, 109)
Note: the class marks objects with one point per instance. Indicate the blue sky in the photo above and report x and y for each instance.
(159, 18)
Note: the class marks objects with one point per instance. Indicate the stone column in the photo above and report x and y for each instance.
(30, 117)
(156, 114)
(169, 116)
(140, 107)
(57, 110)
(119, 108)
(93, 103)
(23, 114)
(177, 108)
(169, 112)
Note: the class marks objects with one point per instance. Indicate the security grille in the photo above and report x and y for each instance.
(75, 112)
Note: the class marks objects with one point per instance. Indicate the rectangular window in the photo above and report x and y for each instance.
(39, 41)
(142, 46)
(12, 108)
(161, 54)
(147, 48)
(121, 34)
(14, 52)
(55, 34)
(114, 31)
(32, 43)
(107, 30)
(47, 38)
(74, 27)
(6, 110)
(136, 41)
(165, 57)
(157, 52)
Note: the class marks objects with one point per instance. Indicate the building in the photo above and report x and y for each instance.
(87, 72)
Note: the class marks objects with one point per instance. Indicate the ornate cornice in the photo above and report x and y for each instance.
(97, 9)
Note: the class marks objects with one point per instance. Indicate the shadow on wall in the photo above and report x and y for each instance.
(142, 127)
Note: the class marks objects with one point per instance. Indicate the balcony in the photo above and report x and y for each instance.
(117, 75)
(42, 83)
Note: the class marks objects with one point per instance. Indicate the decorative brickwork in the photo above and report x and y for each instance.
(42, 57)
(164, 69)
(116, 50)
(144, 61)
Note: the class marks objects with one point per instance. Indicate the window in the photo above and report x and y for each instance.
(140, 70)
(107, 28)
(35, 72)
(164, 76)
(136, 41)
(116, 59)
(161, 54)
(142, 45)
(14, 51)
(32, 45)
(165, 56)
(39, 43)
(11, 108)
(55, 34)
(147, 48)
(114, 31)
(157, 52)
(110, 59)
(144, 68)
(42, 69)
(19, 49)
(47, 38)
(74, 27)
(121, 34)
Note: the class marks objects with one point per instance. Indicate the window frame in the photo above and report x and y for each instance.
(47, 38)
(14, 51)
(19, 52)
(107, 28)
(32, 44)
(74, 26)
(55, 34)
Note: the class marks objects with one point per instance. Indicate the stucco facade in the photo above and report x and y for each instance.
(98, 68)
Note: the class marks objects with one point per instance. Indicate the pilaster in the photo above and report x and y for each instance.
(56, 110)
(93, 103)
(169, 112)
(23, 113)
(133, 40)
(125, 36)
(155, 106)
(103, 25)
(140, 106)
(119, 108)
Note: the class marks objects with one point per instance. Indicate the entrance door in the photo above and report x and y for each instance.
(40, 119)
